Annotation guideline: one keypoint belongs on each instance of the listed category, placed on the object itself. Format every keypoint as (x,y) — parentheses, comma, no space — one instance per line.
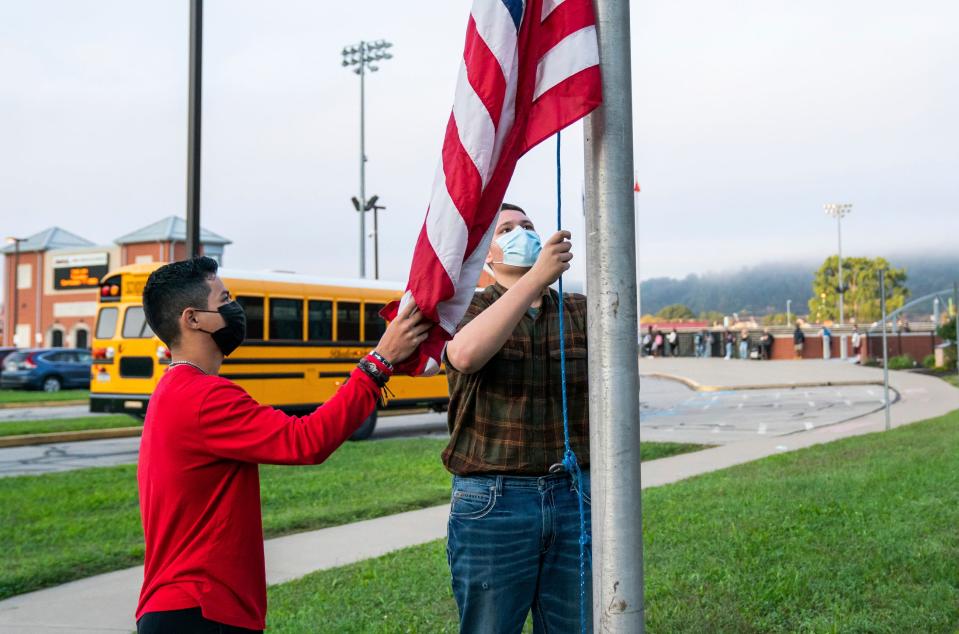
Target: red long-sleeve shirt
(199,483)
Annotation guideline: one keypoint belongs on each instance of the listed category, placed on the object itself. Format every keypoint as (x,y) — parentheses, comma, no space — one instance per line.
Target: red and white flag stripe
(529,69)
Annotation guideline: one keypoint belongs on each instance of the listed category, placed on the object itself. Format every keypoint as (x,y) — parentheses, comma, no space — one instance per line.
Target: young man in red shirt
(203,438)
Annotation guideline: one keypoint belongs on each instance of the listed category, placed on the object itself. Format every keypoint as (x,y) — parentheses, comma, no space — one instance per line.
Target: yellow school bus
(304,335)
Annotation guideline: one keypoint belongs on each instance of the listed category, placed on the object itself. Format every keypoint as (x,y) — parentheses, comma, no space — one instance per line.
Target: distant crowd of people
(658,343)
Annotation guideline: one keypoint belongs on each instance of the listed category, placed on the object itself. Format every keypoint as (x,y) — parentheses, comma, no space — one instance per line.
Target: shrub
(948,330)
(901,362)
(950,358)
(929,361)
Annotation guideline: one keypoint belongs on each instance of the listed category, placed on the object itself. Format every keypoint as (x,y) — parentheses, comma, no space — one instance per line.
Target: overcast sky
(749,116)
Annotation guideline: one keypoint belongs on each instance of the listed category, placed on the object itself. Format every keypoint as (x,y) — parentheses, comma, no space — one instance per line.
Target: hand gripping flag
(529,69)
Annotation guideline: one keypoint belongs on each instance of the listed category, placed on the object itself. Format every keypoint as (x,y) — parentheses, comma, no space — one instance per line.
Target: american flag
(530,68)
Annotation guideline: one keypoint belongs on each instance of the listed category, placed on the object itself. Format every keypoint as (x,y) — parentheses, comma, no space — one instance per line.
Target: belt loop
(499,485)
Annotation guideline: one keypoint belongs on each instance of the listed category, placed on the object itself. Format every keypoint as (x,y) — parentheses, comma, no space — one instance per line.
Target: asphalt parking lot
(670,411)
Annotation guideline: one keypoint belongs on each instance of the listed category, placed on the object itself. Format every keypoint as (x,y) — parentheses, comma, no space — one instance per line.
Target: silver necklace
(189,363)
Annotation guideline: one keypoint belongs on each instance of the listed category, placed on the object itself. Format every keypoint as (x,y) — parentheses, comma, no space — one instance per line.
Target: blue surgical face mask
(520,247)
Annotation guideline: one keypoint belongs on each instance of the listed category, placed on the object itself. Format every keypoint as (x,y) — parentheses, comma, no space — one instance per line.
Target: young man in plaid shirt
(513,536)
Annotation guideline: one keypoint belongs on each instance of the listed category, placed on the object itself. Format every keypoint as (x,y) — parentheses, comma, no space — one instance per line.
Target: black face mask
(228,338)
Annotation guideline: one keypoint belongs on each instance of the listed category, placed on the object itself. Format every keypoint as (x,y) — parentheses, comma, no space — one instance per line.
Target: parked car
(47,369)
(4,353)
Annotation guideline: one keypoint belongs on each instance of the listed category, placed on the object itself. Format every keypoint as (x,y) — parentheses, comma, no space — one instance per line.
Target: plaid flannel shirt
(507,418)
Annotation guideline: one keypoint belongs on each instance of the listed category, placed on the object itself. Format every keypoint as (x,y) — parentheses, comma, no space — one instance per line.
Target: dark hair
(511,207)
(173,288)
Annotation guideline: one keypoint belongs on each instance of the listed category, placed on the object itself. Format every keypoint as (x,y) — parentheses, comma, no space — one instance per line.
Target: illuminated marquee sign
(79,271)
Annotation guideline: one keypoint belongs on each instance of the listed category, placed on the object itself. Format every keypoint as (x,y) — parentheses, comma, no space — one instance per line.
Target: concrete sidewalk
(106,603)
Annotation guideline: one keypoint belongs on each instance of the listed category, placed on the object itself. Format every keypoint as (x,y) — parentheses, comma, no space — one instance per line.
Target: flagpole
(613,328)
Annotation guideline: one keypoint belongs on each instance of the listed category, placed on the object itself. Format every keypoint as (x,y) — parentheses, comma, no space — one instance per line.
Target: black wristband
(376,355)
(373,372)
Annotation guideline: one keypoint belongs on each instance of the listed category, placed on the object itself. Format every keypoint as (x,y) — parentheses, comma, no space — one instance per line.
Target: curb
(769,386)
(70,436)
(28,404)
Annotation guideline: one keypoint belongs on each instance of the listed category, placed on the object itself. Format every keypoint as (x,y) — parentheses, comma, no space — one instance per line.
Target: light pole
(194,107)
(885,346)
(955,304)
(837,211)
(789,312)
(363,56)
(371,205)
(16,285)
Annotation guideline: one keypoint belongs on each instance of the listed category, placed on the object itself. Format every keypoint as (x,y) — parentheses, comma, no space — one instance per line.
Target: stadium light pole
(364,57)
(16,286)
(837,211)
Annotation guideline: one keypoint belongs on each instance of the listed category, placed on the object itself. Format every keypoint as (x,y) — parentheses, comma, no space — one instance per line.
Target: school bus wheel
(366,429)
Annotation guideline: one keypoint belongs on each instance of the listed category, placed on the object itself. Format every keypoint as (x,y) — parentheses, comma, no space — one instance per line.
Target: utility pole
(193,139)
(363,56)
(617,547)
(837,211)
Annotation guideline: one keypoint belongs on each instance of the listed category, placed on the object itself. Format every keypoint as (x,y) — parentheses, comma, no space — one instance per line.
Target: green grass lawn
(859,535)
(59,527)
(952,378)
(654,450)
(51,425)
(37,396)
(404,591)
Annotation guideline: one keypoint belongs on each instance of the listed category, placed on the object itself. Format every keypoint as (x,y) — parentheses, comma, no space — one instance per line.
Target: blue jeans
(743,349)
(513,546)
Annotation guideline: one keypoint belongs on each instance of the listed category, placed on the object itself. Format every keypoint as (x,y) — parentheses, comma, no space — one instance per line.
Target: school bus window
(107,323)
(374,325)
(286,319)
(135,324)
(347,321)
(320,320)
(253,307)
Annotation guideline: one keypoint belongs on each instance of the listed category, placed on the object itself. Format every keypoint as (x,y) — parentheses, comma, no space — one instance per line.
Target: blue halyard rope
(569,457)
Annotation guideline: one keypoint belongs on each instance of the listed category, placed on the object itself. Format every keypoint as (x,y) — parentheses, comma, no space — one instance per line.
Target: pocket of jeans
(472,504)
(586,498)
